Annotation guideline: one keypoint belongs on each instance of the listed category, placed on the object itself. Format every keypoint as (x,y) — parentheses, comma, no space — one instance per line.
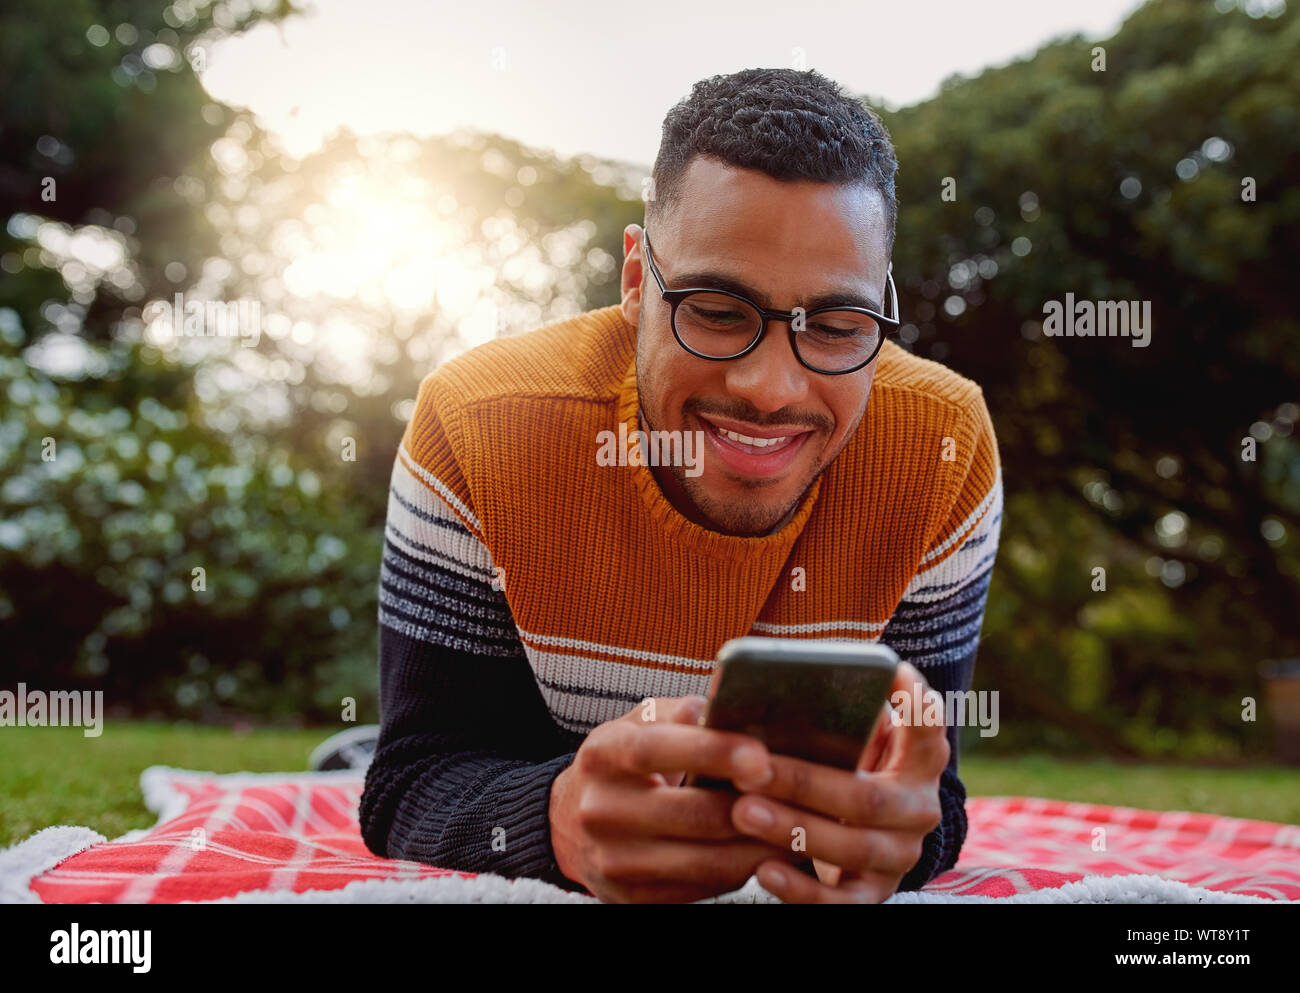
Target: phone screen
(817,701)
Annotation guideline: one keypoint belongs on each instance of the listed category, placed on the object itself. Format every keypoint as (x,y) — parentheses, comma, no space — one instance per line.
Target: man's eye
(833,331)
(715,316)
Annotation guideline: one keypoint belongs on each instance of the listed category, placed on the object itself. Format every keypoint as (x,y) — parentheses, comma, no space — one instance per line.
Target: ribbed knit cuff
(549,870)
(941,847)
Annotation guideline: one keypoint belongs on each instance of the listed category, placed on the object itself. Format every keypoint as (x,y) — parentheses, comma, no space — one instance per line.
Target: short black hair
(791,124)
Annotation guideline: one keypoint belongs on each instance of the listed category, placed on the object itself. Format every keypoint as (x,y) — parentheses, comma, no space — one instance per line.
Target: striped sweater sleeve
(936,626)
(467,752)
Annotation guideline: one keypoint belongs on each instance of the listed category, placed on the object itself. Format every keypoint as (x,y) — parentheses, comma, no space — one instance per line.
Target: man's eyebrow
(717,281)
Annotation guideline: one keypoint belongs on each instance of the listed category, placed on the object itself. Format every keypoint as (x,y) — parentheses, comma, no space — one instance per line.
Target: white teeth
(744,439)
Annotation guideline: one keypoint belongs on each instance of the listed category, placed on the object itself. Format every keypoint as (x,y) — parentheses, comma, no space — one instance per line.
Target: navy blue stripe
(431,626)
(973,542)
(914,610)
(595,693)
(390,531)
(944,634)
(469,625)
(407,587)
(934,646)
(424,515)
(986,560)
(434,639)
(951,633)
(906,621)
(453,583)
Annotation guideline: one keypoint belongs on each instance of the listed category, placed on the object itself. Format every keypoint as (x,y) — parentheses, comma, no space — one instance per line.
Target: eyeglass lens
(720,326)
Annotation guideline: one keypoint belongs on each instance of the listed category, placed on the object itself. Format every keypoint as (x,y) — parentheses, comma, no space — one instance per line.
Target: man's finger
(659,861)
(666,710)
(875,747)
(672,710)
(797,887)
(865,798)
(858,849)
(688,709)
(670,748)
(692,814)
(923,746)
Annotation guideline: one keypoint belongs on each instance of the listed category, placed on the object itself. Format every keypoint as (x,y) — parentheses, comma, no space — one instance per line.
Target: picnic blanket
(294,837)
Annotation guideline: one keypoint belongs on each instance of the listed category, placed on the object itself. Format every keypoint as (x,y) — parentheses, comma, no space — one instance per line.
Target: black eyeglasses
(721,325)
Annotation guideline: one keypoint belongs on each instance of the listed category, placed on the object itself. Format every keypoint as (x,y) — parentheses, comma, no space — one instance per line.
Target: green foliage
(1118,456)
(171,456)
(375,258)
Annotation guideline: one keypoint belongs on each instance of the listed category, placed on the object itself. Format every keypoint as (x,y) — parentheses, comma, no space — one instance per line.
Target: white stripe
(438,485)
(630,653)
(819,626)
(468,638)
(282,879)
(409,488)
(580,712)
(992,495)
(960,568)
(461,546)
(175,861)
(457,566)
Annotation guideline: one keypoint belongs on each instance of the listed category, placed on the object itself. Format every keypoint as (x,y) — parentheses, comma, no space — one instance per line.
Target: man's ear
(633,273)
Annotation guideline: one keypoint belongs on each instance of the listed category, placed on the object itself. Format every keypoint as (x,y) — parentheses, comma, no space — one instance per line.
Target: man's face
(788,242)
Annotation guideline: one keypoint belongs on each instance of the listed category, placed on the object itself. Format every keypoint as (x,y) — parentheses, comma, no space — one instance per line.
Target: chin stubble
(745,518)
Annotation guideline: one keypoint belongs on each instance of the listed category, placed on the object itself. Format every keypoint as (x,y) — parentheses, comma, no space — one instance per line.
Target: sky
(598,77)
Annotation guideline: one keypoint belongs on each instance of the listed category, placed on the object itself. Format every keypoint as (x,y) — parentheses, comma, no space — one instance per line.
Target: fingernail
(758,815)
(772,877)
(752,766)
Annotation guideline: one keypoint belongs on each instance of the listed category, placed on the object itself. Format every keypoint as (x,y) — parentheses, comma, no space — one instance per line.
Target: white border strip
(490,888)
(22,862)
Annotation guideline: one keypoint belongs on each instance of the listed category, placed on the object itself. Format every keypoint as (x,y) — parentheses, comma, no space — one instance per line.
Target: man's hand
(864,829)
(622,826)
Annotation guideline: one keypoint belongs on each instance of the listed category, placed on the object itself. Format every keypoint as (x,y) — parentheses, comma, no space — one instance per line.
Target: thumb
(685,709)
(667,710)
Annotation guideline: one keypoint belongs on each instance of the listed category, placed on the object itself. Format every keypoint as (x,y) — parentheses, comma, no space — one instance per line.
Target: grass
(58,776)
(1262,793)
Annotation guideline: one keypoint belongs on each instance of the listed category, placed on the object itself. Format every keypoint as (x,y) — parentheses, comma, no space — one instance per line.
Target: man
(538,585)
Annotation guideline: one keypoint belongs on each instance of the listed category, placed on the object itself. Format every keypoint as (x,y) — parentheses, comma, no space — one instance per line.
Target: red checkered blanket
(295,837)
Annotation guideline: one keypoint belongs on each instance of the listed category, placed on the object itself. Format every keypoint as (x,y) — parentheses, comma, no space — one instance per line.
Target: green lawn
(58,776)
(1263,793)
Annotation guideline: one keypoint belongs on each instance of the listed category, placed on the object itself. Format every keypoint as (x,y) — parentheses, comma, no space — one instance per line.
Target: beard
(748,515)
(743,517)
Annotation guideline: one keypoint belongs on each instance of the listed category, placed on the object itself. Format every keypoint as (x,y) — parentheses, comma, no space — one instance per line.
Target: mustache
(740,411)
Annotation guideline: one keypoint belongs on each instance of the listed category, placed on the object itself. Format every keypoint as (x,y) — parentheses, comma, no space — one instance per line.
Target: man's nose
(770,377)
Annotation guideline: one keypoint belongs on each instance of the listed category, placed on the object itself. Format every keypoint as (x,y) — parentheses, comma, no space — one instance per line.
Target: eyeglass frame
(674,297)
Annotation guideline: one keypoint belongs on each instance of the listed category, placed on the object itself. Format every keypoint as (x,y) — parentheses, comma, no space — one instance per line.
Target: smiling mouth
(754,452)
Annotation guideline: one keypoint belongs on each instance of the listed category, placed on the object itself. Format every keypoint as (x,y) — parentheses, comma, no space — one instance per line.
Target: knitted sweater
(528,594)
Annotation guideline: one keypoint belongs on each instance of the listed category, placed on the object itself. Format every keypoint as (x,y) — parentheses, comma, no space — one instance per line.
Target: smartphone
(814,700)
